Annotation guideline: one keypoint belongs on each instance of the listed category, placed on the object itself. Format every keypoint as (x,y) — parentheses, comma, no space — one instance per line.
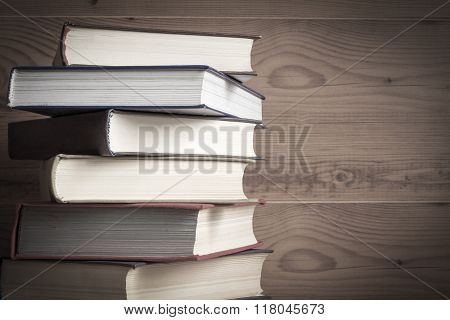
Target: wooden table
(359,206)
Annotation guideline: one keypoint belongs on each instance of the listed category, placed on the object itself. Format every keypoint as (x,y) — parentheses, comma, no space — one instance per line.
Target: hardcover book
(194,90)
(114,133)
(77,179)
(115,46)
(228,277)
(136,232)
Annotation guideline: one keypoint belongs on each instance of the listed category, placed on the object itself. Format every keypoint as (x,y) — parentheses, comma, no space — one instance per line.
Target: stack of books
(142,169)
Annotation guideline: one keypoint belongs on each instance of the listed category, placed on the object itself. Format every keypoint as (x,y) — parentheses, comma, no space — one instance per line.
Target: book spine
(10,83)
(62,44)
(47,180)
(84,134)
(14,232)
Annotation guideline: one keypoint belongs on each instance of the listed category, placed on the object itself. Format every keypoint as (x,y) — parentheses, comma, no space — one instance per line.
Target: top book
(104,46)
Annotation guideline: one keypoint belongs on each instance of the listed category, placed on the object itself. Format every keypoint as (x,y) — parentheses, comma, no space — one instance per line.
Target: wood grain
(378,132)
(343,9)
(324,251)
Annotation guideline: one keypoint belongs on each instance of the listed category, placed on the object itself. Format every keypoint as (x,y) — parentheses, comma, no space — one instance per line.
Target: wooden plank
(379,127)
(378,132)
(342,9)
(317,254)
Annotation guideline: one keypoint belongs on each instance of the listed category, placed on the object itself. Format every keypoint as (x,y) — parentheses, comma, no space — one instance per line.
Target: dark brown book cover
(190,206)
(42,139)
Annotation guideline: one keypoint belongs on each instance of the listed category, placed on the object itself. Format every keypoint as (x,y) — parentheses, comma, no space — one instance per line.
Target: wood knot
(295,77)
(343,177)
(306,260)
